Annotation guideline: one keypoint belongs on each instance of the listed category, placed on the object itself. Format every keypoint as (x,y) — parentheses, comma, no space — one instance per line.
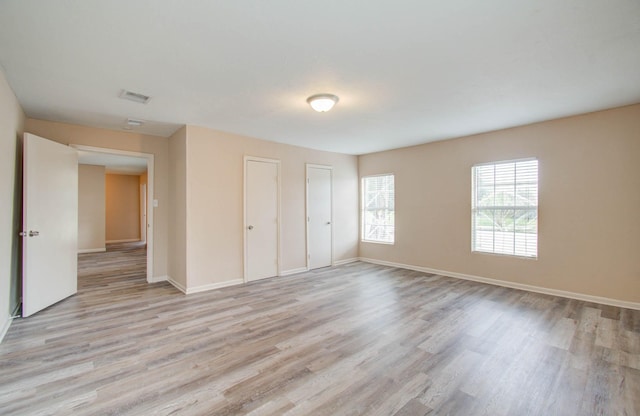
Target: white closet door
(261,219)
(319,223)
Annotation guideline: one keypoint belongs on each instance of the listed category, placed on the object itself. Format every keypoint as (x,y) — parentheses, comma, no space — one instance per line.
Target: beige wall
(177,207)
(214,195)
(589,204)
(589,200)
(123,207)
(11,126)
(91,208)
(111,139)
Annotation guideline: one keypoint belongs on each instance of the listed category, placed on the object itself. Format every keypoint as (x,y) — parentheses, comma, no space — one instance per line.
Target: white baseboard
(91,250)
(345,261)
(293,271)
(128,240)
(512,285)
(177,285)
(211,286)
(304,269)
(156,279)
(203,288)
(7,323)
(5,328)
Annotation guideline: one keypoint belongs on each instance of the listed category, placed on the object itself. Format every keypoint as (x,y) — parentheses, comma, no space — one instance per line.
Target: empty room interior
(320,208)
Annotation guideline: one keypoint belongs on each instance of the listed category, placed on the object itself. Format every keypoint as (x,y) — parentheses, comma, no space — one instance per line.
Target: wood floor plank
(348,340)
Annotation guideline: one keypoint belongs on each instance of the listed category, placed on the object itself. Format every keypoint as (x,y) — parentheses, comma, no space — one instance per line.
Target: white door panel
(50,222)
(319,222)
(261,222)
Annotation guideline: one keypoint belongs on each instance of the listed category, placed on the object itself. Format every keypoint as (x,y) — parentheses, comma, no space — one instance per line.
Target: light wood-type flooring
(350,340)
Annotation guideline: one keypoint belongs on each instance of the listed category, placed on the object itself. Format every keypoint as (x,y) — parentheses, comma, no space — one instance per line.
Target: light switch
(155,203)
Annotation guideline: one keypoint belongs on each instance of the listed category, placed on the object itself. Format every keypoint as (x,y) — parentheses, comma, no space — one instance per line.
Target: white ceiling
(406,72)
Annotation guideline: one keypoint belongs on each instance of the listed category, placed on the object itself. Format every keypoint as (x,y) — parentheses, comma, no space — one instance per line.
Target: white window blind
(378,209)
(505,208)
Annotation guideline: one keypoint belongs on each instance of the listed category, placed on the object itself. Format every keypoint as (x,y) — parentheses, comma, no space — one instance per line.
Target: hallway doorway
(119,163)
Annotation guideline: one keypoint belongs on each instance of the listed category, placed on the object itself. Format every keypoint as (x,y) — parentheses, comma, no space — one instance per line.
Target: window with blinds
(504,208)
(378,209)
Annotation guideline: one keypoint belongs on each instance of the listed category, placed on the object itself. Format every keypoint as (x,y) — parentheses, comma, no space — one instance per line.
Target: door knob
(250,227)
(34,233)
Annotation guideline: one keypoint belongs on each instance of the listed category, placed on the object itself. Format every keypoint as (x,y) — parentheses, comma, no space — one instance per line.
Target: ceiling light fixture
(322,102)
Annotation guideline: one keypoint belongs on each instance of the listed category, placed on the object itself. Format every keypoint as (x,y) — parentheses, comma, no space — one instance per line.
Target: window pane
(485,196)
(378,208)
(505,208)
(504,195)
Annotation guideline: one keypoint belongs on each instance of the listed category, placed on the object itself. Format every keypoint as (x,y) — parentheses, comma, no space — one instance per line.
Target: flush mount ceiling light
(322,102)
(134,96)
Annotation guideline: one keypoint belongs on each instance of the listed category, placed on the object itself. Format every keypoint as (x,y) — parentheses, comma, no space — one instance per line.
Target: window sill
(378,242)
(513,256)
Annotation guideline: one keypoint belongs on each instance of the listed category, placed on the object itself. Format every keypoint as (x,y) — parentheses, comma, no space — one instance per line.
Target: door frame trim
(144,227)
(248,159)
(150,194)
(306,205)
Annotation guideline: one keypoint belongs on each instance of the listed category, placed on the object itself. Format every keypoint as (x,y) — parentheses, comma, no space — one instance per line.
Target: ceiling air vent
(134,96)
(134,123)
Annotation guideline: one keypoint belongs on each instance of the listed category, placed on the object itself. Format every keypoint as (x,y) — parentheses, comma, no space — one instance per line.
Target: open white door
(319,228)
(50,223)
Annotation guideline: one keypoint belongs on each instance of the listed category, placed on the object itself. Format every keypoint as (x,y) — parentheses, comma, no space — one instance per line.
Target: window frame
(362,209)
(535,208)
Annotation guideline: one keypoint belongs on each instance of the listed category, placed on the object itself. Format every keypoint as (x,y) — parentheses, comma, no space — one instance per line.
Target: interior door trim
(248,159)
(306,204)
